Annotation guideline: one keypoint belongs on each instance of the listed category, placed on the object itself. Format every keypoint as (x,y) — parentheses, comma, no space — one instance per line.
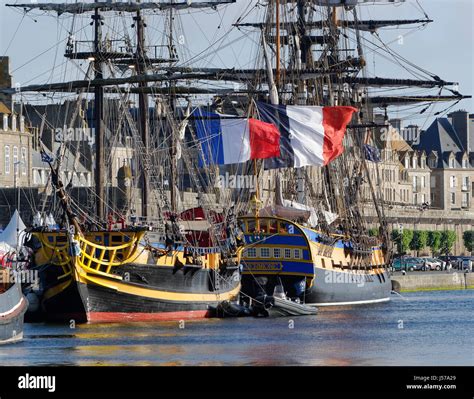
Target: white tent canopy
(14,233)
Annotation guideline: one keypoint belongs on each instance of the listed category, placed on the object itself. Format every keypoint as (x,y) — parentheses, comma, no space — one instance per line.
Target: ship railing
(100,259)
(57,254)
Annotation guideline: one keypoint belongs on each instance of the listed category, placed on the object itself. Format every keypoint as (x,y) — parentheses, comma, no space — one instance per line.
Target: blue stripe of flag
(209,133)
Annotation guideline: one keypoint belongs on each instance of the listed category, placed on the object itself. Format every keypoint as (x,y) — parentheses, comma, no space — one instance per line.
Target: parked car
(433,263)
(407,263)
(451,260)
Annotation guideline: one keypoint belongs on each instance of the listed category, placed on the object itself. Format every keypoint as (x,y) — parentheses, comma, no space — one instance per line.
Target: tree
(434,242)
(403,239)
(419,241)
(448,238)
(468,238)
(407,237)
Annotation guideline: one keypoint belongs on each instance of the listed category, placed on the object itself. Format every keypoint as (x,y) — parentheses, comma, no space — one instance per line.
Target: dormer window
(423,162)
(414,162)
(451,163)
(407,162)
(465,163)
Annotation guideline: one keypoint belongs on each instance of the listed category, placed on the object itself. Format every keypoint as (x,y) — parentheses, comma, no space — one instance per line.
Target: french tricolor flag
(291,136)
(228,140)
(309,135)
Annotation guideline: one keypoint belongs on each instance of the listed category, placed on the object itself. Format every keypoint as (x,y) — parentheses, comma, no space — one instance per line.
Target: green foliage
(419,240)
(434,241)
(407,237)
(448,238)
(402,240)
(468,238)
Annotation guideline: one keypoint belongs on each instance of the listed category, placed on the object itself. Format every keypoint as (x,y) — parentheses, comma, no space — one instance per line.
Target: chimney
(460,122)
(5,80)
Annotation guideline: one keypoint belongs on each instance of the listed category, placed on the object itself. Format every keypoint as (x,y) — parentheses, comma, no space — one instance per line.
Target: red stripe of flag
(335,121)
(264,140)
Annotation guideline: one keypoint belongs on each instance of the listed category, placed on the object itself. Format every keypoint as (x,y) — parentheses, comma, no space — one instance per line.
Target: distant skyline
(444,47)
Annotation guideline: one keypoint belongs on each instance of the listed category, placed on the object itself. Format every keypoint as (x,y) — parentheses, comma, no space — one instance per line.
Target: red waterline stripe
(113,317)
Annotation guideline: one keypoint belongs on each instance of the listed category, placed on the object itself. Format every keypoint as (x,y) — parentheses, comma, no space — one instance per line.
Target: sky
(444,47)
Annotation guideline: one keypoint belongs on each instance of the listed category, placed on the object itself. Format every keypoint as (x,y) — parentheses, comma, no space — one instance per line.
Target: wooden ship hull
(143,286)
(13,306)
(317,270)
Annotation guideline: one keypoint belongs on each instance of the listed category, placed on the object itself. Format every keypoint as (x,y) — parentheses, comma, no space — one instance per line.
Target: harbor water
(425,328)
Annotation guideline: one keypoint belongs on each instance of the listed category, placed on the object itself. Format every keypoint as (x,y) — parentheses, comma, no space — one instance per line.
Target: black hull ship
(87,288)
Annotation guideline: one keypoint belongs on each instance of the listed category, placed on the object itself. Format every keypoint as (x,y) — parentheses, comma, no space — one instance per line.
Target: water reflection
(437,329)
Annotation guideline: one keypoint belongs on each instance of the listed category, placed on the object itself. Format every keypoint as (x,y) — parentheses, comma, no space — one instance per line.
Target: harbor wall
(427,281)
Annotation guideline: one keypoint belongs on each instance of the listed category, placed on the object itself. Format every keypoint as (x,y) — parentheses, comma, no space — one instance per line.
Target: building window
(7,160)
(432,162)
(251,253)
(414,162)
(453,198)
(264,252)
(23,161)
(423,181)
(407,162)
(415,182)
(15,160)
(465,183)
(36,177)
(451,162)
(44,177)
(452,181)
(423,163)
(297,253)
(287,253)
(432,197)
(433,181)
(465,163)
(5,122)
(465,200)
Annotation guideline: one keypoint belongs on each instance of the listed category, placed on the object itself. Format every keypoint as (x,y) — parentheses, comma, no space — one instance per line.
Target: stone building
(15,149)
(448,146)
(418,173)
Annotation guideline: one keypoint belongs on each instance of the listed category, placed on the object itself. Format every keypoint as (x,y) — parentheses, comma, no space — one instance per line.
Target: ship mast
(142,107)
(99,173)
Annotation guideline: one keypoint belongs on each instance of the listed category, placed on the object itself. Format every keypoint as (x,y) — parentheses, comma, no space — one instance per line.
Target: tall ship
(281,150)
(100,263)
(315,240)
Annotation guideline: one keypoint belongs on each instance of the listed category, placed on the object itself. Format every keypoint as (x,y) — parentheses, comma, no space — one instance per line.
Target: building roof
(4,109)
(442,138)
